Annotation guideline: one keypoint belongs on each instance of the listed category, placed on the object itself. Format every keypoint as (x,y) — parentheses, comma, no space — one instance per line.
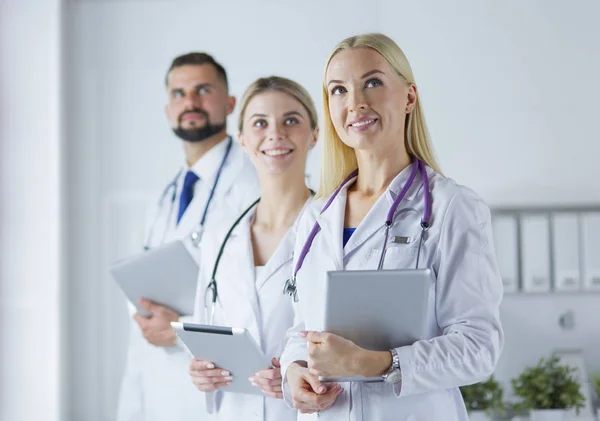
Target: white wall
(30,301)
(507,88)
(515,84)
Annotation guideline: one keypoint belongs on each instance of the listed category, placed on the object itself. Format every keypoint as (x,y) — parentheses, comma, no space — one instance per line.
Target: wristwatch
(394,374)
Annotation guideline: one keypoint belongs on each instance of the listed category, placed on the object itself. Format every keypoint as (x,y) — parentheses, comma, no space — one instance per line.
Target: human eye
(337,90)
(371,83)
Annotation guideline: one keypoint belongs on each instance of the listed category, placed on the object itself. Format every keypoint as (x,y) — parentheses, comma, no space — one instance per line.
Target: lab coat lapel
(190,220)
(282,255)
(373,222)
(284,252)
(239,296)
(375,219)
(332,224)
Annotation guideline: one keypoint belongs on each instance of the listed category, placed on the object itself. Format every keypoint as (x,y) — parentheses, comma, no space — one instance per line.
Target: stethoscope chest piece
(290,288)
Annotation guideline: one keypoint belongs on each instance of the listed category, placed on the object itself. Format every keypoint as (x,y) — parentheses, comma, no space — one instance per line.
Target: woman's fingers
(210,373)
(211,387)
(266,382)
(276,395)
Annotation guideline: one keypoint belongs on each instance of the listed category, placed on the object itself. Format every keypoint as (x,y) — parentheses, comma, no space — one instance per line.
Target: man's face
(198,102)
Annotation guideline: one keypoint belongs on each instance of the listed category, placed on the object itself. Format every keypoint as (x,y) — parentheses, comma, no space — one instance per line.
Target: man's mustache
(194,111)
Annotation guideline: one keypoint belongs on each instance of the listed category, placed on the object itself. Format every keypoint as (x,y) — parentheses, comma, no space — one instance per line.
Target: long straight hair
(338,159)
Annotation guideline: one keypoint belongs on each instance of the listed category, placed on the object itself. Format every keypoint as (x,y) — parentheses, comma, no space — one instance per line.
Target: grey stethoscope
(290,287)
(195,235)
(212,292)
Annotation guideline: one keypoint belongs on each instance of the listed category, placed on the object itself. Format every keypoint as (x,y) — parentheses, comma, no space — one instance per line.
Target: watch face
(394,377)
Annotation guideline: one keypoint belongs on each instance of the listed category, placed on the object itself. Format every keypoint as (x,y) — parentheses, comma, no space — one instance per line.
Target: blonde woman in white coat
(277,127)
(376,155)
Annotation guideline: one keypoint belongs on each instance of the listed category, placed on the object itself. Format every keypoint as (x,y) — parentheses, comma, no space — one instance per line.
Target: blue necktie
(187,194)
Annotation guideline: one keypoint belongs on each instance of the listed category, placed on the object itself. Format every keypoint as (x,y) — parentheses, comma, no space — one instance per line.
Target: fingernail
(228,378)
(321,389)
(225,373)
(210,365)
(251,379)
(303,334)
(253,384)
(340,390)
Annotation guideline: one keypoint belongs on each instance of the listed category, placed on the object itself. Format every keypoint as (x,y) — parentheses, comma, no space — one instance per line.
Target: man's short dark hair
(197,59)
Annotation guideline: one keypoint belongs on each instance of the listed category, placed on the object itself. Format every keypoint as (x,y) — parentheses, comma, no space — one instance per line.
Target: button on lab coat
(254,303)
(156,385)
(464,331)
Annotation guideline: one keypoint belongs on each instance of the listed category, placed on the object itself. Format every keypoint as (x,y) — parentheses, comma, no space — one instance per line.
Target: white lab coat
(254,303)
(156,384)
(465,334)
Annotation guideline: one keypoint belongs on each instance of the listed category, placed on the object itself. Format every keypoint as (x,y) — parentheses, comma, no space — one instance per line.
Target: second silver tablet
(228,348)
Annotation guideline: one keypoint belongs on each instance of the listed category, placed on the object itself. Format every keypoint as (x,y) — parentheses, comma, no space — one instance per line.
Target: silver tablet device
(231,349)
(378,309)
(166,275)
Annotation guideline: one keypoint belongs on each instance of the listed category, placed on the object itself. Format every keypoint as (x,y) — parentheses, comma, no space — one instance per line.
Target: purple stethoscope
(290,287)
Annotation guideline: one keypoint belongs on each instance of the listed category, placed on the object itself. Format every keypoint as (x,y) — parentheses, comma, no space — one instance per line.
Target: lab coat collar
(398,183)
(332,220)
(243,297)
(207,166)
(284,252)
(240,296)
(233,166)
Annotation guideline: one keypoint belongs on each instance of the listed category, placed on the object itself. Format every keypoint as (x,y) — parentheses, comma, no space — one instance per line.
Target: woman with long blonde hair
(384,204)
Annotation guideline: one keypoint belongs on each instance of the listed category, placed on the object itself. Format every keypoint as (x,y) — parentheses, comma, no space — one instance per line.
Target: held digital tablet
(166,275)
(378,309)
(231,349)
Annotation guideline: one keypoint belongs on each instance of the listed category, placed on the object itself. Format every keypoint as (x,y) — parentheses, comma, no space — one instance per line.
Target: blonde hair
(338,159)
(279,84)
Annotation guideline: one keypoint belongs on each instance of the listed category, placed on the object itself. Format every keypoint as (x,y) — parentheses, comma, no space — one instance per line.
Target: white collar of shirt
(207,166)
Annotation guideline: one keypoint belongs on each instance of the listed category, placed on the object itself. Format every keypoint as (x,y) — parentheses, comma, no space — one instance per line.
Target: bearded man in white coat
(215,180)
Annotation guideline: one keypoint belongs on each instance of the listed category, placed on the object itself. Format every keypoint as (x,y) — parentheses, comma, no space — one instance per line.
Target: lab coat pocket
(397,256)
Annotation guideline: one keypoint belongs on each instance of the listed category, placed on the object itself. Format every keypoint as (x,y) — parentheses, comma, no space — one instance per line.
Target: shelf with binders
(548,250)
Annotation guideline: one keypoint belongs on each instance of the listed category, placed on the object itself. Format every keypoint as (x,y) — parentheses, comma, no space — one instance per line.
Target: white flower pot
(548,415)
(479,416)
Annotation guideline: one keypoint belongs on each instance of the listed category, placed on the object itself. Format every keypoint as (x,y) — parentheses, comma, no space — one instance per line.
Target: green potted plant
(548,390)
(481,399)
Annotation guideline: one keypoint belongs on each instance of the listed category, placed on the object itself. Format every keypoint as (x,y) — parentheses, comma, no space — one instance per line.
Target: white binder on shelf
(506,245)
(566,252)
(535,252)
(590,234)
